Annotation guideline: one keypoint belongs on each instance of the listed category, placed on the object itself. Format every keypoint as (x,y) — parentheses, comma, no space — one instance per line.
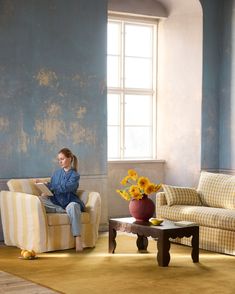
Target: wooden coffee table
(161,234)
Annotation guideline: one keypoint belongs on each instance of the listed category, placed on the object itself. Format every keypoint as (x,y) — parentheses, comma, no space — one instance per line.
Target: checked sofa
(211,206)
(27,225)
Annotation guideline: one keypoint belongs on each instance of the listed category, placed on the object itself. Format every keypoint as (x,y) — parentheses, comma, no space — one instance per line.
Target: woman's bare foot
(79,246)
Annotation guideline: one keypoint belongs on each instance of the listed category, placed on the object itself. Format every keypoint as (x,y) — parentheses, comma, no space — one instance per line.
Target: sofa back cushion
(217,190)
(181,196)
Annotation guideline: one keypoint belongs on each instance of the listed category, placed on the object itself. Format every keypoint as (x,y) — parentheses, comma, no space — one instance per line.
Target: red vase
(142,210)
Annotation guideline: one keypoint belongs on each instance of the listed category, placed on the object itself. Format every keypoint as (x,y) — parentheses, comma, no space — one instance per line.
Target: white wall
(180,92)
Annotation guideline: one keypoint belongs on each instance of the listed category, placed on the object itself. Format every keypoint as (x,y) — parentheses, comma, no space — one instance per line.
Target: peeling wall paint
(52,85)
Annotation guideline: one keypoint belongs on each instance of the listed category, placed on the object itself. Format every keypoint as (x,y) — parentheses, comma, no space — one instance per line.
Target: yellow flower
(138,196)
(134,191)
(124,194)
(143,182)
(133,174)
(157,187)
(124,181)
(149,189)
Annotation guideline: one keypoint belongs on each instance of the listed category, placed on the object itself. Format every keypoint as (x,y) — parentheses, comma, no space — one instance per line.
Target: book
(185,224)
(44,189)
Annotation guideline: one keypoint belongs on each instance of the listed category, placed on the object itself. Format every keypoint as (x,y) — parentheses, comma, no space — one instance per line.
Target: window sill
(137,161)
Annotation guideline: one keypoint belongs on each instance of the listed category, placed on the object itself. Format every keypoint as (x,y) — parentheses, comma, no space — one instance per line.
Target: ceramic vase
(143,209)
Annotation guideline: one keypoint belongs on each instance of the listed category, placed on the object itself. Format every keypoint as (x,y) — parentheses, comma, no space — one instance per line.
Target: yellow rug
(126,271)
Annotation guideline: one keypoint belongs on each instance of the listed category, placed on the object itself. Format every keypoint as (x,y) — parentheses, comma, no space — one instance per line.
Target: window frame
(122,90)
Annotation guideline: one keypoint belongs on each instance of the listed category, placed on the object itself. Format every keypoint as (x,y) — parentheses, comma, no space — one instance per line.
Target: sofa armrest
(24,220)
(93,206)
(160,199)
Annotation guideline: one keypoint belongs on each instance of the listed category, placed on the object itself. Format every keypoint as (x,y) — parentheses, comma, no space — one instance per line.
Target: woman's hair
(69,154)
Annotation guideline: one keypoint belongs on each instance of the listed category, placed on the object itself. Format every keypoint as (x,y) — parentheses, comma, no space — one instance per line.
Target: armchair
(27,225)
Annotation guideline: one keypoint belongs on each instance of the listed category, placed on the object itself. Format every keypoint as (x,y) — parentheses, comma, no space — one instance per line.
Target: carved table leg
(112,241)
(163,247)
(195,246)
(142,242)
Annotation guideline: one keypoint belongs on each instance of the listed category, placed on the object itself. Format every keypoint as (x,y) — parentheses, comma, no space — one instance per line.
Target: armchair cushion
(181,196)
(58,219)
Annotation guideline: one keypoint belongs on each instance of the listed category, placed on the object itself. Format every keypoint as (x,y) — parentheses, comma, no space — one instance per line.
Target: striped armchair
(27,225)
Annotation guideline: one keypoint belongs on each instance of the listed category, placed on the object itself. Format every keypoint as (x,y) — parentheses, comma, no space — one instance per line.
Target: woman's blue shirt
(64,186)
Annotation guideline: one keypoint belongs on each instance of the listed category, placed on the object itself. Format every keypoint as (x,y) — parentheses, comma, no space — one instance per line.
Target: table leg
(142,242)
(163,247)
(112,241)
(195,246)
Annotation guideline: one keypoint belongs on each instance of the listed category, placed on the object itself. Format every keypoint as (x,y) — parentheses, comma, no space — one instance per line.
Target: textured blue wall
(52,85)
(218,105)
(227,89)
(210,91)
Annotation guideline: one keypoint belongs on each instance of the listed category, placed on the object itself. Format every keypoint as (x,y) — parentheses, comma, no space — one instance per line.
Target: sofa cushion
(58,219)
(217,190)
(220,218)
(181,196)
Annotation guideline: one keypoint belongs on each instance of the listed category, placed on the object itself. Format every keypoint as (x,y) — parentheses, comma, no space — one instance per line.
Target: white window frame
(122,90)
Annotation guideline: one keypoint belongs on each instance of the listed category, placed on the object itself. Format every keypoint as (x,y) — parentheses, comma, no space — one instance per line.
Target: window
(131,89)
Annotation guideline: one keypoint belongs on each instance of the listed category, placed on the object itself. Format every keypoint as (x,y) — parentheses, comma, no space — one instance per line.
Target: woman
(64,184)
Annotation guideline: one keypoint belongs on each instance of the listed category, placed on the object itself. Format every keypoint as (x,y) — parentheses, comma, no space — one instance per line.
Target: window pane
(138,110)
(113,142)
(138,40)
(138,143)
(138,73)
(113,70)
(113,109)
(114,32)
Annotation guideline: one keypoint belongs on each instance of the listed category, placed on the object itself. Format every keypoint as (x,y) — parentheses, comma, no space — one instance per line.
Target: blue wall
(52,85)
(227,89)
(218,104)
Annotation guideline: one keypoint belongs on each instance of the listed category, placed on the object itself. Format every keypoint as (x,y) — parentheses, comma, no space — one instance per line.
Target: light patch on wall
(4,124)
(23,141)
(79,134)
(50,129)
(81,112)
(80,80)
(46,77)
(54,110)
(103,86)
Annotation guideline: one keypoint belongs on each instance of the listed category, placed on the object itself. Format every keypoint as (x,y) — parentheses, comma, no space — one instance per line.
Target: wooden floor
(15,285)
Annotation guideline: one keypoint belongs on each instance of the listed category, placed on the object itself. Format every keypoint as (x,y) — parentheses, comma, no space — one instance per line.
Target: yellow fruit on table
(27,254)
(156,221)
(22,252)
(33,253)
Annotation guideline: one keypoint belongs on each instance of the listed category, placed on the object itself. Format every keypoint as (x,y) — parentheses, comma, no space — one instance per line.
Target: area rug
(127,271)
(11,284)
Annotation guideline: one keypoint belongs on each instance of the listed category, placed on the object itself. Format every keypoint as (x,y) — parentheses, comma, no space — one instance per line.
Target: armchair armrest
(93,206)
(24,221)
(160,199)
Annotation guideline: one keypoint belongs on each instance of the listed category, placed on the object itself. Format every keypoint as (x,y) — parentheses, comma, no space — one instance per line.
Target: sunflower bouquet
(136,187)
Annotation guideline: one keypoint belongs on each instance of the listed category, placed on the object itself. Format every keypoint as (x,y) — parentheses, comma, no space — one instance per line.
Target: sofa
(27,225)
(211,205)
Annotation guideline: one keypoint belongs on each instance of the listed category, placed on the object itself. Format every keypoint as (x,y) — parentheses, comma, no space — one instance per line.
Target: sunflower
(143,182)
(157,187)
(124,194)
(134,191)
(149,189)
(124,181)
(133,174)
